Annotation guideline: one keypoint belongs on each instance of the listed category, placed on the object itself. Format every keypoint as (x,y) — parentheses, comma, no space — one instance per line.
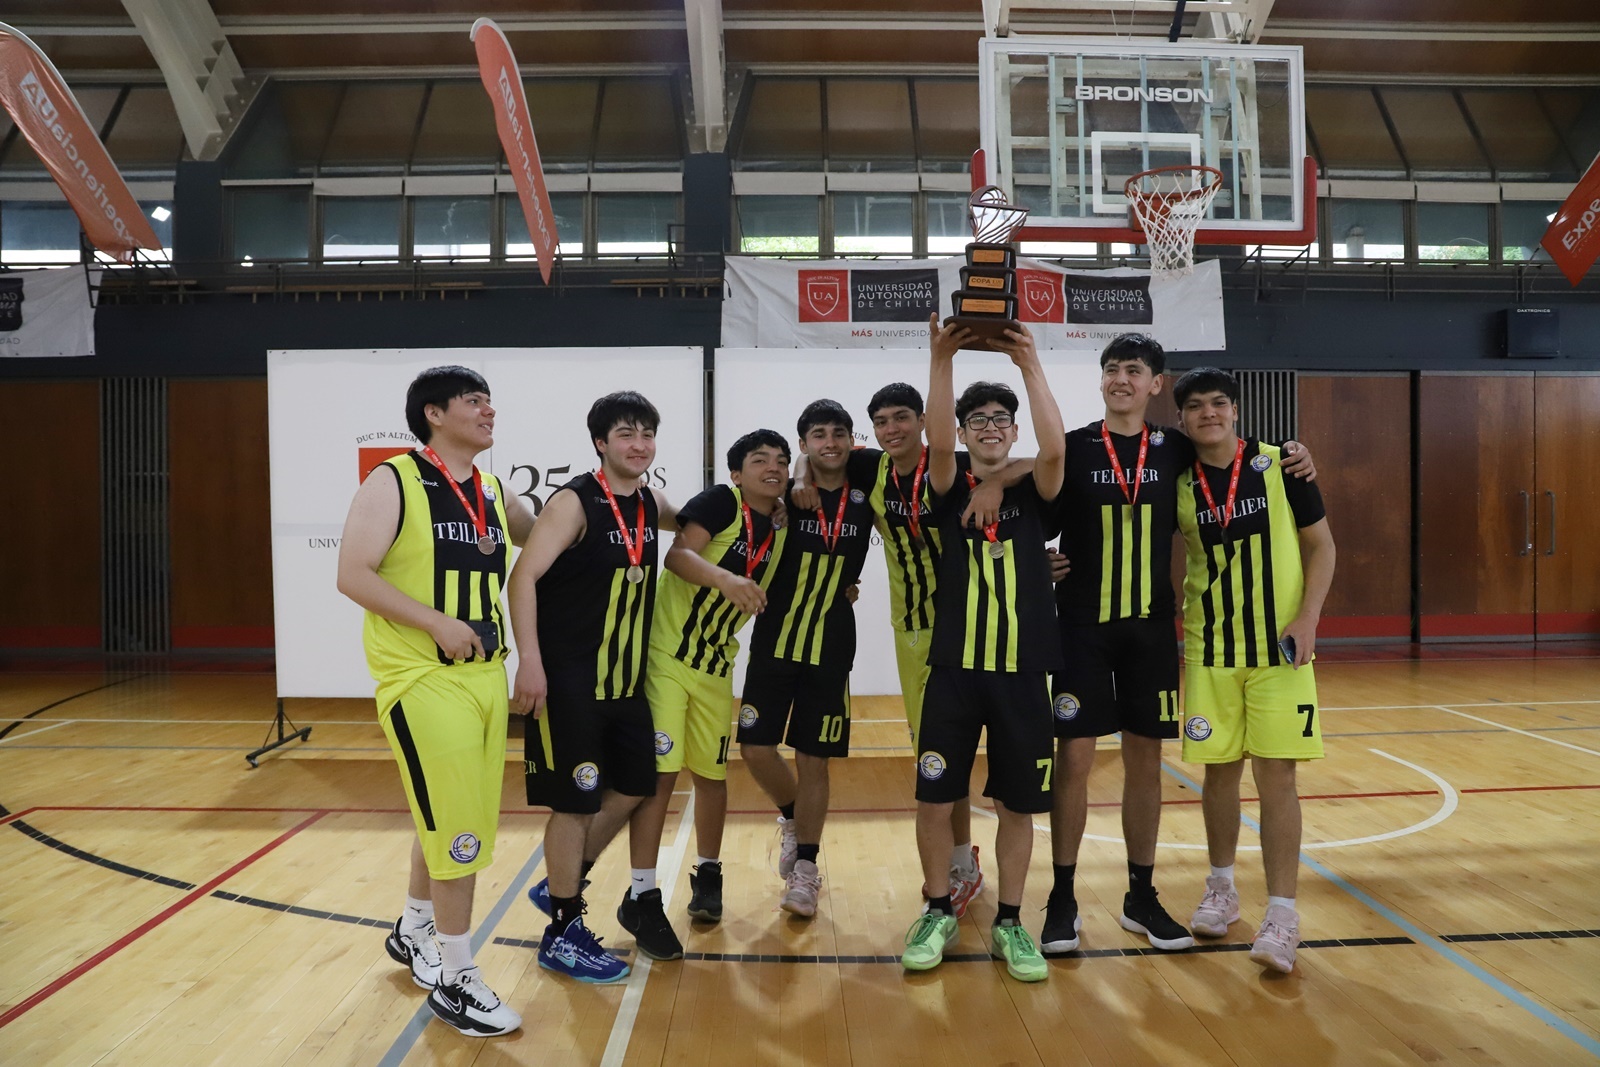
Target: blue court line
(408,1037)
(1422,937)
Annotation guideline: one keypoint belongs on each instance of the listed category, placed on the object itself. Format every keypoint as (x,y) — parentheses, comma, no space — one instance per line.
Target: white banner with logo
(334,415)
(842,303)
(756,388)
(47,313)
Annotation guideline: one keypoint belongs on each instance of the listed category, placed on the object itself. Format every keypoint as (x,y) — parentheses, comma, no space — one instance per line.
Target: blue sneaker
(540,895)
(577,953)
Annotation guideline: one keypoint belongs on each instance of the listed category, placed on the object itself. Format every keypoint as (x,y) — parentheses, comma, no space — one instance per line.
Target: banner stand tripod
(267,745)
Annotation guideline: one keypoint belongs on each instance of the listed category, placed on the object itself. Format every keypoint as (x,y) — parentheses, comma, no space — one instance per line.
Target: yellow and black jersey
(594,624)
(435,559)
(696,625)
(995,613)
(1244,581)
(809,619)
(1121,552)
(912,557)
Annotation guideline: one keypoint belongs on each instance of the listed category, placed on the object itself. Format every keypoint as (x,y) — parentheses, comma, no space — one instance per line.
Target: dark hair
(1139,346)
(438,386)
(621,409)
(894,395)
(1206,380)
(753,440)
(823,413)
(980,393)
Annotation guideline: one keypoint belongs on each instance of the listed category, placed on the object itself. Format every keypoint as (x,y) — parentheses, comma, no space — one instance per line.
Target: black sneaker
(1149,918)
(645,919)
(705,896)
(1061,925)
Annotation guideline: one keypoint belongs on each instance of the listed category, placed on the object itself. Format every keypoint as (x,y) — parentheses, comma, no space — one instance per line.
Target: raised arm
(1317,557)
(559,527)
(1050,465)
(941,411)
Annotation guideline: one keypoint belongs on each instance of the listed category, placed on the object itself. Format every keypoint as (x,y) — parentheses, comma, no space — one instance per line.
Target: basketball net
(1168,203)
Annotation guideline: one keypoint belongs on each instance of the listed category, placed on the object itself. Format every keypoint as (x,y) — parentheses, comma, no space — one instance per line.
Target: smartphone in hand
(1286,646)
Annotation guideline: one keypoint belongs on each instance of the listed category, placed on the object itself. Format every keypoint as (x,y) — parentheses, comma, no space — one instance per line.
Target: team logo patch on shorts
(1197,728)
(1067,707)
(748,716)
(663,743)
(930,765)
(1261,463)
(586,776)
(857,497)
(464,849)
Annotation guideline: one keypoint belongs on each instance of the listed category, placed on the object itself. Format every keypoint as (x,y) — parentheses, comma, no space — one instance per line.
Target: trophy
(986,303)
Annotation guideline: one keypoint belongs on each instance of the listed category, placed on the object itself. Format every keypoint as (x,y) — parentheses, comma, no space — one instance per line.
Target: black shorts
(814,702)
(582,746)
(1119,675)
(1015,707)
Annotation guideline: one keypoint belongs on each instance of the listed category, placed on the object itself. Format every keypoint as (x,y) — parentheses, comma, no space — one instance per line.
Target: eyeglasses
(1000,421)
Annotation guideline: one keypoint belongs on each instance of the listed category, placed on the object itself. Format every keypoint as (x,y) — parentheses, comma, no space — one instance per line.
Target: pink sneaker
(964,890)
(801,889)
(788,846)
(1275,941)
(1218,908)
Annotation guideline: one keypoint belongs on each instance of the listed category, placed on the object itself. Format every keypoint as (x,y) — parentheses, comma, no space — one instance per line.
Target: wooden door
(1567,505)
(1476,507)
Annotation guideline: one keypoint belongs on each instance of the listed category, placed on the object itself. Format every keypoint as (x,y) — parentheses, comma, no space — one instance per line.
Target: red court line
(149,924)
(14,816)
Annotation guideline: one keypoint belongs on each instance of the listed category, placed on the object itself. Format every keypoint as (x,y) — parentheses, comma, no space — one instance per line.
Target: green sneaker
(1012,944)
(929,936)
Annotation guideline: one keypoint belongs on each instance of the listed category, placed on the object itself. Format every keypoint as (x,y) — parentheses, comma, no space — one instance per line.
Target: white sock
(644,880)
(456,949)
(1281,902)
(703,860)
(961,859)
(418,914)
(1223,872)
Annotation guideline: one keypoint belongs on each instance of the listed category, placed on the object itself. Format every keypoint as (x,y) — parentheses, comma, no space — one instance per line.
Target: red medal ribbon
(914,505)
(830,534)
(1226,513)
(634,544)
(991,531)
(753,557)
(480,519)
(1116,464)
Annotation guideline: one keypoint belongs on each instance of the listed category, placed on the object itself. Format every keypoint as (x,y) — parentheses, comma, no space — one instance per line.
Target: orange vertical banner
(1573,239)
(44,109)
(498,69)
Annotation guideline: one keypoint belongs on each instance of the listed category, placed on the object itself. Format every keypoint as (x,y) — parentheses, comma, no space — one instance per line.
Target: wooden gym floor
(162,903)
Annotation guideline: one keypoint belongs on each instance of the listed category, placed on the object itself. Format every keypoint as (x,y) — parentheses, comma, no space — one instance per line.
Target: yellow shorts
(1231,712)
(693,716)
(448,733)
(911,657)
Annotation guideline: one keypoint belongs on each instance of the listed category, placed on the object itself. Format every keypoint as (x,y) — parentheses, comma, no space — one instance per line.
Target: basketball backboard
(1065,121)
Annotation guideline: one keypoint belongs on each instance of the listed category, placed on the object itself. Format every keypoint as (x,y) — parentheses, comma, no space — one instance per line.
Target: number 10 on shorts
(832,728)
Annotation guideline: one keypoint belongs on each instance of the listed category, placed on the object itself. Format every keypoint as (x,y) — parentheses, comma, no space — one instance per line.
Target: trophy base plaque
(984,329)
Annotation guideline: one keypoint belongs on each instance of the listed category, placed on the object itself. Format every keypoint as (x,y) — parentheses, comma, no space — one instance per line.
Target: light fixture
(161,213)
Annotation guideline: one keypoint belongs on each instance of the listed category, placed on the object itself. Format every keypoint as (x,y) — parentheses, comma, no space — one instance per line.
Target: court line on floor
(407,1038)
(56,985)
(1422,937)
(1515,730)
(633,994)
(67,699)
(33,733)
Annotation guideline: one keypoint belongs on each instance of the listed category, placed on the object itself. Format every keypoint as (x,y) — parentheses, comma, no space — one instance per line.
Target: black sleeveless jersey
(594,624)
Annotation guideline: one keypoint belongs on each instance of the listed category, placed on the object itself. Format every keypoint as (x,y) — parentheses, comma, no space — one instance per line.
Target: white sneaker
(1218,909)
(801,889)
(470,1006)
(418,951)
(788,846)
(1276,940)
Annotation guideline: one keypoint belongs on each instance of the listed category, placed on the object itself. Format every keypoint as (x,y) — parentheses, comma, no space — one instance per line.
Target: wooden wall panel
(220,514)
(1567,552)
(1476,462)
(50,596)
(1359,433)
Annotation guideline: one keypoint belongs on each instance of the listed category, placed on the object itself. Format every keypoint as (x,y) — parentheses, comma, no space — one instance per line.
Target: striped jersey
(809,619)
(1121,552)
(696,625)
(1244,582)
(995,614)
(912,560)
(435,559)
(594,624)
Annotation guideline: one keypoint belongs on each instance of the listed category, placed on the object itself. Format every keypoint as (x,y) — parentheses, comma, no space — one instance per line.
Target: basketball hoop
(1167,204)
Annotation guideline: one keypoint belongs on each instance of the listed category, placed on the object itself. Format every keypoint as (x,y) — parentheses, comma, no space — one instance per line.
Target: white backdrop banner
(321,451)
(839,303)
(47,313)
(762,388)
